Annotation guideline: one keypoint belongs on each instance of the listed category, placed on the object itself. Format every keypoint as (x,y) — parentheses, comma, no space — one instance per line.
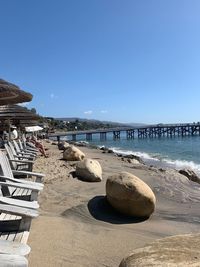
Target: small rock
(131,156)
(133,161)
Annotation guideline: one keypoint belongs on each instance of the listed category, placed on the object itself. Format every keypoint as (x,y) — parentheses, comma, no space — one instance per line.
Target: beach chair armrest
(21,161)
(31,153)
(19,211)
(29,173)
(31,148)
(19,202)
(21,157)
(26,182)
(21,185)
(25,153)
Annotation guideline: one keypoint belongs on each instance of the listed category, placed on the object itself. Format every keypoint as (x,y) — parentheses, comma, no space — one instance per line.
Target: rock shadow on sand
(74,175)
(101,210)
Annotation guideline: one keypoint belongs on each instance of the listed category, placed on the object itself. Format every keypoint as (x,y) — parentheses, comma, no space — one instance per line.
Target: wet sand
(77,227)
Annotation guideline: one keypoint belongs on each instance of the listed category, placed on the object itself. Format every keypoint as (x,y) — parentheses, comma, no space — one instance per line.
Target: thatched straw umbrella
(12,94)
(15,114)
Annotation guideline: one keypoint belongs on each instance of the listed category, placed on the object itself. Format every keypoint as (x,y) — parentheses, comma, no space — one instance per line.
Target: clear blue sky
(127,60)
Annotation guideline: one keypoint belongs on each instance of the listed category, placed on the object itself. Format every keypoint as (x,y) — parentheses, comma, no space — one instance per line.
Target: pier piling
(150,131)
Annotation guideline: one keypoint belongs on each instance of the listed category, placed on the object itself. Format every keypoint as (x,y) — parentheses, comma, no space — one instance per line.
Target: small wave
(159,161)
(180,164)
(142,155)
(82,142)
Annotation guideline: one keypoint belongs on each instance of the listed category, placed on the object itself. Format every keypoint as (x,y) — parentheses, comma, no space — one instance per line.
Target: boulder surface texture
(72,153)
(175,251)
(130,195)
(89,170)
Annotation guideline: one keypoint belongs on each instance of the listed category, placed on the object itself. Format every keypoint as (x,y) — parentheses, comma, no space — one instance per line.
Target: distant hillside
(117,124)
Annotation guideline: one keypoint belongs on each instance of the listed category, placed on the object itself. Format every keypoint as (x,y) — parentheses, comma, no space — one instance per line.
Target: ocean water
(176,152)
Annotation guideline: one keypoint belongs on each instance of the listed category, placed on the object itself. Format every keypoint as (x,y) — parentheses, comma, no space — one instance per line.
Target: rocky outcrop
(134,157)
(132,161)
(106,150)
(89,170)
(191,175)
(175,251)
(72,153)
(62,145)
(130,195)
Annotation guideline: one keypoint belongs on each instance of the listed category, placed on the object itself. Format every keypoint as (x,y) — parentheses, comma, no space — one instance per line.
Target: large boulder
(62,145)
(130,195)
(72,153)
(175,251)
(89,170)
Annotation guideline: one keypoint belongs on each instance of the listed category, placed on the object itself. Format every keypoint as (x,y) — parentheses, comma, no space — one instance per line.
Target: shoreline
(75,228)
(150,158)
(150,162)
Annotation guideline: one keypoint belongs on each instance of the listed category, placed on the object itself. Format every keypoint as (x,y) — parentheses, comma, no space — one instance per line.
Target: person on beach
(14,133)
(38,144)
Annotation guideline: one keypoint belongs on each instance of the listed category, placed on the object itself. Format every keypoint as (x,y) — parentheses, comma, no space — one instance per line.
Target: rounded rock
(175,251)
(130,195)
(72,153)
(89,170)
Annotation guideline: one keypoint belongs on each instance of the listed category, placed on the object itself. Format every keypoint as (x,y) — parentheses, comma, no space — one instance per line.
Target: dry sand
(77,228)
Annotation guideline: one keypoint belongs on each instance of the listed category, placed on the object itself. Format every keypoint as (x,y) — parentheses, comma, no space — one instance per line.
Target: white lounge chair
(20,155)
(18,163)
(27,145)
(13,260)
(8,172)
(23,151)
(14,231)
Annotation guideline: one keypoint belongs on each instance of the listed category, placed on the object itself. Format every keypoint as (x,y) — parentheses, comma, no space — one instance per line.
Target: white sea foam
(181,164)
(159,161)
(143,155)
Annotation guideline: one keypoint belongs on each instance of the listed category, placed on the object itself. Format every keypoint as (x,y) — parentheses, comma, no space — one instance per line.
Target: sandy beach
(76,226)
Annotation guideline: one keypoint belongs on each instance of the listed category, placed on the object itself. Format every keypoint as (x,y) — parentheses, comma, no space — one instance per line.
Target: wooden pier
(149,131)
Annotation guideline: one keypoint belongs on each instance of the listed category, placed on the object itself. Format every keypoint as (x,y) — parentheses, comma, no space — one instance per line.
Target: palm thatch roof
(16,112)
(12,94)
(25,122)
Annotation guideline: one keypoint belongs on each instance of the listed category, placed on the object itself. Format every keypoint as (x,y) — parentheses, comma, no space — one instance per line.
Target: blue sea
(175,152)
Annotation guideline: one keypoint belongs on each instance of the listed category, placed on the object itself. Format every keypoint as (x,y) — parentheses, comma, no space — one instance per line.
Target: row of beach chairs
(19,189)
